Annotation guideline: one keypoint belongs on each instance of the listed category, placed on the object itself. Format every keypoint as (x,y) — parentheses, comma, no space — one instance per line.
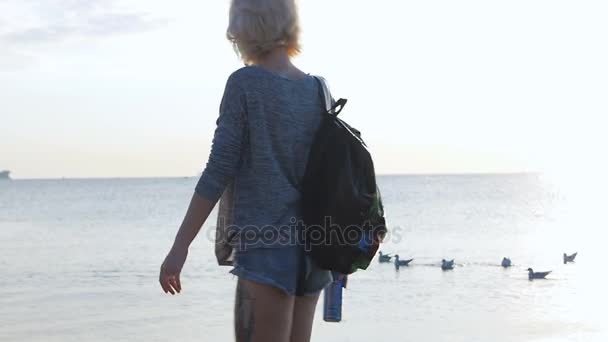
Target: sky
(125,88)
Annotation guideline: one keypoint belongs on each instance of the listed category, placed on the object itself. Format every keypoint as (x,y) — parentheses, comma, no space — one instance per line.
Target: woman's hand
(171,268)
(197,213)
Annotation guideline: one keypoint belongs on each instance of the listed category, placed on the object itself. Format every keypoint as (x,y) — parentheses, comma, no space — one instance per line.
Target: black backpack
(342,207)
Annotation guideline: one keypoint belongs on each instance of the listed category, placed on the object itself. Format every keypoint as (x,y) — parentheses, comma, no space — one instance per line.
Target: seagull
(506,262)
(569,258)
(536,275)
(384,257)
(447,265)
(399,263)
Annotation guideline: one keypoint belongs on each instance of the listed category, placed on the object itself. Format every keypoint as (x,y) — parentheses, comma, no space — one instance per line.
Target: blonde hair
(258,26)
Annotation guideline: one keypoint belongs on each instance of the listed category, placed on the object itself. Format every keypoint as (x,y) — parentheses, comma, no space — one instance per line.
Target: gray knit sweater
(260,149)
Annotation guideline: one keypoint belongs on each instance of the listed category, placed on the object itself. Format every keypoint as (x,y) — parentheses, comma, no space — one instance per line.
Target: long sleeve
(227,147)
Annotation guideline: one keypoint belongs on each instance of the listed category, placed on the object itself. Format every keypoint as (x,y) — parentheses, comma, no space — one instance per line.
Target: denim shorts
(287,268)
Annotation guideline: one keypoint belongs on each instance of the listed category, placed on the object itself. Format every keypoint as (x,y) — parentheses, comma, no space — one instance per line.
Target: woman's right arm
(198,211)
(196,215)
(221,168)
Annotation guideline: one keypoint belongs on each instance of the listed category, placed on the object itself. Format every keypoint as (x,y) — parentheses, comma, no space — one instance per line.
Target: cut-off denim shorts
(287,268)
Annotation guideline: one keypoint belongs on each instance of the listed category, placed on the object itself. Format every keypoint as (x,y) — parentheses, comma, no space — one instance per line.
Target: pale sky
(125,88)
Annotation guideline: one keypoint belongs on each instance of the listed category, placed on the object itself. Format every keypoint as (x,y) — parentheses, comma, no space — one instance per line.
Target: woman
(269,113)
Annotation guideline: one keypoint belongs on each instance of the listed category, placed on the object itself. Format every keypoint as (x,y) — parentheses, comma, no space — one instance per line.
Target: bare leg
(262,313)
(303,316)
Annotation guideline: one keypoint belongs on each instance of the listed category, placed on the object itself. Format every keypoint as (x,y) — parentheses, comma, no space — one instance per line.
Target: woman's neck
(278,61)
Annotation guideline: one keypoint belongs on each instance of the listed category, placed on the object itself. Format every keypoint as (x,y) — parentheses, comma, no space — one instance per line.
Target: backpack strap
(331,107)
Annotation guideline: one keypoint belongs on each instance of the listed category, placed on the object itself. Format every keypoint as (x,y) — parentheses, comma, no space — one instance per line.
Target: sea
(79,261)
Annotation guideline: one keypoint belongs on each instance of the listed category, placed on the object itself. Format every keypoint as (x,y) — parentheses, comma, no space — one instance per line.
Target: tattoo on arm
(244,322)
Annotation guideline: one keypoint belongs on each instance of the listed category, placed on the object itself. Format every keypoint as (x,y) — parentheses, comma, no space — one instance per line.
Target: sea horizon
(405,174)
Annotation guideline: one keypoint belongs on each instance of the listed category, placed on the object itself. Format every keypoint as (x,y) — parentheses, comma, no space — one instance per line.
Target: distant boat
(506,262)
(537,275)
(5,175)
(569,258)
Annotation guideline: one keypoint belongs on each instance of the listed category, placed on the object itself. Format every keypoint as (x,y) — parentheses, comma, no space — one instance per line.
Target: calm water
(79,261)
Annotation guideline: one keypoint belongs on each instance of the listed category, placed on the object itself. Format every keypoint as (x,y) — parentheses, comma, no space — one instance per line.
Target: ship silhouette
(5,174)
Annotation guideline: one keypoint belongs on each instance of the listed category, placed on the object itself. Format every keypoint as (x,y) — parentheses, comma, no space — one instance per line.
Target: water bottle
(332,303)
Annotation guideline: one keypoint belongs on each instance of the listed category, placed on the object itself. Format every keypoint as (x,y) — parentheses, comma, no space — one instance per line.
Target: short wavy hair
(258,26)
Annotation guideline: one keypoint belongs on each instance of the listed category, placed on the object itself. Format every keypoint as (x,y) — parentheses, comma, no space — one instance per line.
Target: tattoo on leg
(243,314)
